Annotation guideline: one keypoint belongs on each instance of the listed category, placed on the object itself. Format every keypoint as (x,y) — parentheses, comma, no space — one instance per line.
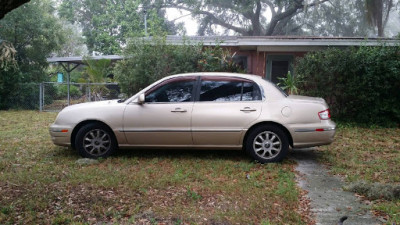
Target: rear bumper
(314,135)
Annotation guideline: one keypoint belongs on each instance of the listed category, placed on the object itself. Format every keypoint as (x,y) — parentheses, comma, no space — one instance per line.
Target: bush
(148,61)
(62,91)
(15,93)
(361,85)
(25,96)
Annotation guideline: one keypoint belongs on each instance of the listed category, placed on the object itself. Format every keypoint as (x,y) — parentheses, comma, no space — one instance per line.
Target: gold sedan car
(199,111)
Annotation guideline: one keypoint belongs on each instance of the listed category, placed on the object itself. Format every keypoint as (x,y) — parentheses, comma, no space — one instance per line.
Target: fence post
(90,94)
(41,97)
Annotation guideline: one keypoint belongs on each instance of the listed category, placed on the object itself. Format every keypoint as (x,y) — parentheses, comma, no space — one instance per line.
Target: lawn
(369,159)
(42,183)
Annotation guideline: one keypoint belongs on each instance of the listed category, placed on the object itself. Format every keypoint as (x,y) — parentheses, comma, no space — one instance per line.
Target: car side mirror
(142,98)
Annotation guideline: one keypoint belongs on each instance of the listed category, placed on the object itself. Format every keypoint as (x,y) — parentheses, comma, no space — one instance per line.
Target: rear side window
(226,89)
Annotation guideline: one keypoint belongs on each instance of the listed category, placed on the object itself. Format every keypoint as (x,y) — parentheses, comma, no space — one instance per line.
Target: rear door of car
(164,119)
(224,108)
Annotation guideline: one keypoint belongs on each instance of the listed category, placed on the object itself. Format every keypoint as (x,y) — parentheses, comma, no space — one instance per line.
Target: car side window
(174,91)
(229,90)
(251,92)
(220,91)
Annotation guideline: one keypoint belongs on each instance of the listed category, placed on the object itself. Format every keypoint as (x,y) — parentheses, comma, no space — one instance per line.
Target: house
(273,56)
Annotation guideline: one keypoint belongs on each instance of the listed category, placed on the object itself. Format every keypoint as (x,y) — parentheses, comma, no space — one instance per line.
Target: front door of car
(164,118)
(223,110)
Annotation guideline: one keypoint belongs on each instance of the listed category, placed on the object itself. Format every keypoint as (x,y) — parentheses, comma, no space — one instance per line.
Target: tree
(74,44)
(9,5)
(333,18)
(7,55)
(248,18)
(97,70)
(35,33)
(377,13)
(108,24)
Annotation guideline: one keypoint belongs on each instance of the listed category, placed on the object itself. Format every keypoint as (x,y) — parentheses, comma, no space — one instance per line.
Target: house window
(278,66)
(241,61)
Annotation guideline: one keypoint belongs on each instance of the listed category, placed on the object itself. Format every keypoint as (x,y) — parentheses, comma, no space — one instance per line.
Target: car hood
(91,105)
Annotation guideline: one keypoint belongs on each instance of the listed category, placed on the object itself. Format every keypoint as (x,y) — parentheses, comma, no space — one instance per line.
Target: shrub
(148,61)
(361,85)
(25,96)
(62,91)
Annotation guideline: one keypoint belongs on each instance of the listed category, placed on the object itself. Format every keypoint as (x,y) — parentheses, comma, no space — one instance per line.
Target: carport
(71,63)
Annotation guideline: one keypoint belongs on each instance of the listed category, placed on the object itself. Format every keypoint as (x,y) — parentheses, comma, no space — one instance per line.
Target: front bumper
(60,135)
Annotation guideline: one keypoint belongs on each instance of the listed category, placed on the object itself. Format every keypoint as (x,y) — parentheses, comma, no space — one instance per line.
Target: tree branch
(290,12)
(213,18)
(255,20)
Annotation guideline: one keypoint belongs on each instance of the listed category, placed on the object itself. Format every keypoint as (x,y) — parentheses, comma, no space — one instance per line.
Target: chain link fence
(54,96)
(22,96)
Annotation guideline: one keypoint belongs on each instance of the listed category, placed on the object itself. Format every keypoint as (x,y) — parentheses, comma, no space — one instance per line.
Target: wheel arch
(260,124)
(85,122)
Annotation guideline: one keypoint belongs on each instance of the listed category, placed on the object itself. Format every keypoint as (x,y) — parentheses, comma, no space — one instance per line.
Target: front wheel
(267,144)
(95,140)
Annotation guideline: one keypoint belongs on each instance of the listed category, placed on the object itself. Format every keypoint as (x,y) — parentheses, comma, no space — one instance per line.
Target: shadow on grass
(148,154)
(194,154)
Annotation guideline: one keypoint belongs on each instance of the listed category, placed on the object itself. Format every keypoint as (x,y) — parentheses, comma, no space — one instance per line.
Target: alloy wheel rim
(96,142)
(267,145)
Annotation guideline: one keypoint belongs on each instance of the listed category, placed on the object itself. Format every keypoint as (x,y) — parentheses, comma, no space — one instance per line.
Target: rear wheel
(267,144)
(95,140)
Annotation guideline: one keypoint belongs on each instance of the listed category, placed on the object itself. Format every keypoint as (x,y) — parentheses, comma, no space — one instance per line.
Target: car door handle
(179,110)
(248,109)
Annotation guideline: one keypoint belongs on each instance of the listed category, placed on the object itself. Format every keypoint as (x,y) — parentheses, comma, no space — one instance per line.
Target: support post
(69,69)
(145,22)
(69,85)
(90,94)
(41,97)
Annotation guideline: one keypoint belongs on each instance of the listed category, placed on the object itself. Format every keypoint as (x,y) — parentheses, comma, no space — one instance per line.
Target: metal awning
(79,59)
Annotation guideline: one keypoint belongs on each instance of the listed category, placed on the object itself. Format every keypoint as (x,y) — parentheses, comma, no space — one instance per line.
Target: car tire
(95,140)
(267,144)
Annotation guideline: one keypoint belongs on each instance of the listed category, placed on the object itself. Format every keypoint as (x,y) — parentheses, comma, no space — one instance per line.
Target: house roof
(282,40)
(282,43)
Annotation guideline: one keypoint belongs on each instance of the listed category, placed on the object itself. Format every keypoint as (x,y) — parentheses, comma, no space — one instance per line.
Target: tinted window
(251,92)
(178,91)
(229,91)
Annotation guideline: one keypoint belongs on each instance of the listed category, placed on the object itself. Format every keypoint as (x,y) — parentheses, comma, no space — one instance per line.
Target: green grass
(41,183)
(371,155)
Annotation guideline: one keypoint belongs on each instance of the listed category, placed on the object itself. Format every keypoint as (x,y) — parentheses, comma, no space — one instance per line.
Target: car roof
(241,75)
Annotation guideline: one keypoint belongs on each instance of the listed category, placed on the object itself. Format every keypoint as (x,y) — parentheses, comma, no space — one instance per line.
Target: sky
(184,16)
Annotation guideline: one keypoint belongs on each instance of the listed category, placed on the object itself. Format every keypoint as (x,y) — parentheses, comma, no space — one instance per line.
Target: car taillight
(324,115)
